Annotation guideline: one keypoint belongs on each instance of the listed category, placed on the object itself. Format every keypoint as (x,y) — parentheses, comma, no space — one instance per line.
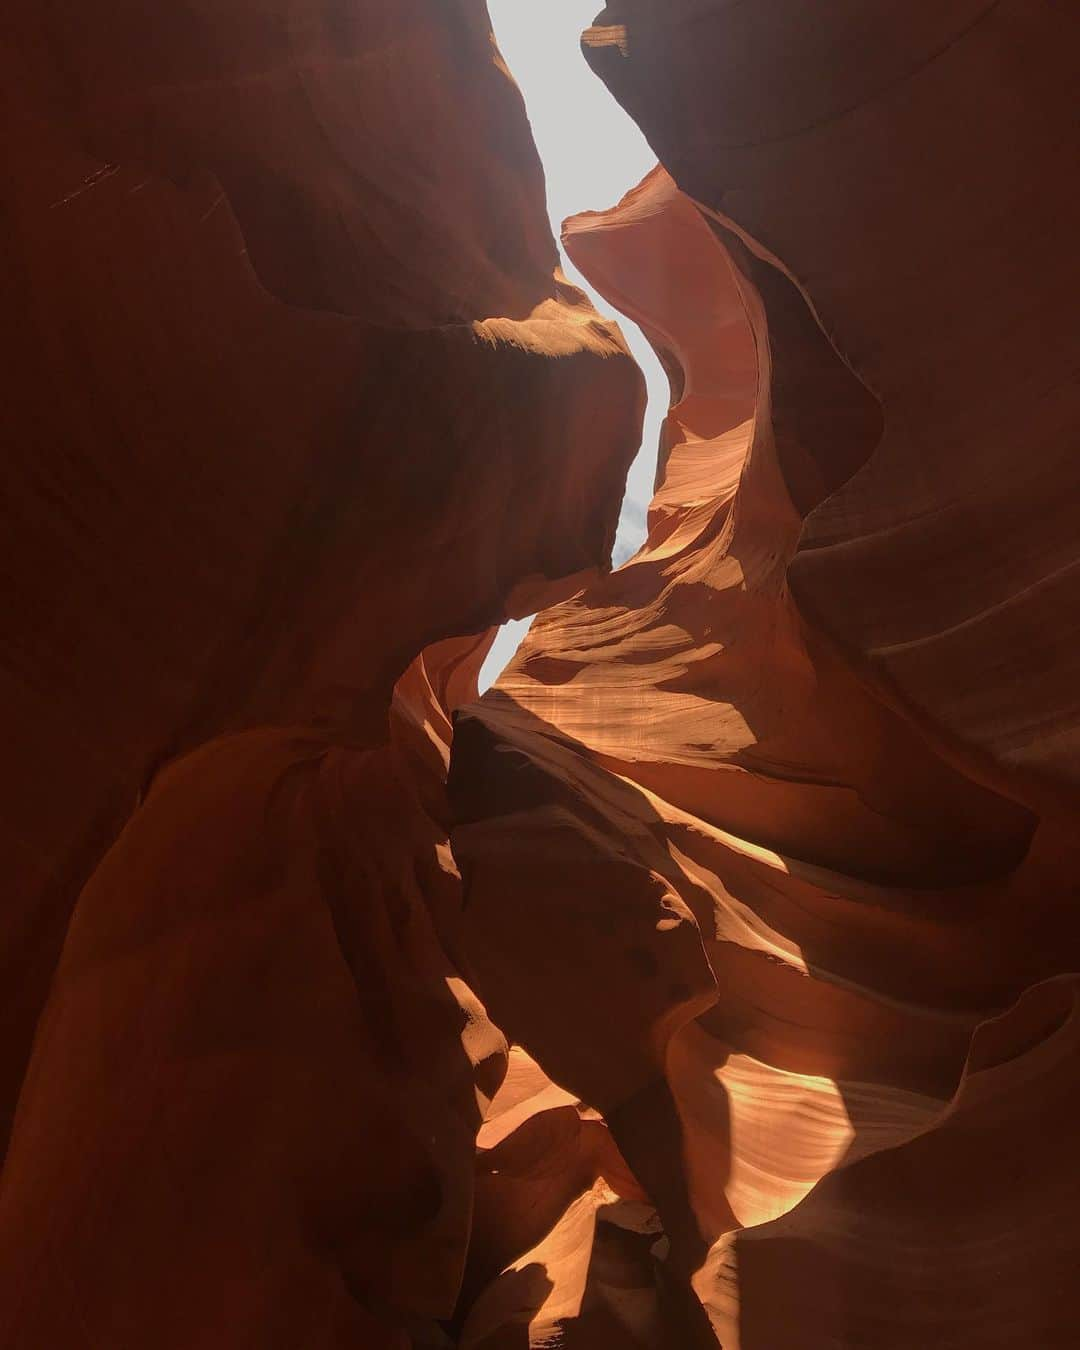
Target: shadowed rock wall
(292,395)
(786,806)
(712,979)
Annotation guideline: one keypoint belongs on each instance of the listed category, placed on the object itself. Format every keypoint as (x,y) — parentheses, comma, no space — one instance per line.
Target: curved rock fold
(711,980)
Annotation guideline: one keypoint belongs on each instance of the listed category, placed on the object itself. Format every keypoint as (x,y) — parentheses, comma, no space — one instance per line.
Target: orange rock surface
(909,168)
(712,980)
(294,392)
(769,837)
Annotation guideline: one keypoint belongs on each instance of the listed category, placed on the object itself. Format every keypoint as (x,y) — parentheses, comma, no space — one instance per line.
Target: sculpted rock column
(723,879)
(296,393)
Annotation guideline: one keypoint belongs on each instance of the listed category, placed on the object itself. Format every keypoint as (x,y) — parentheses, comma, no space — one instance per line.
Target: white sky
(592,154)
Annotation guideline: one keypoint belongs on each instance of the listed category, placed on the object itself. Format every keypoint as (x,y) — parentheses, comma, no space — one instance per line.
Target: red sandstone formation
(785,804)
(293,394)
(910,168)
(725,994)
(251,1111)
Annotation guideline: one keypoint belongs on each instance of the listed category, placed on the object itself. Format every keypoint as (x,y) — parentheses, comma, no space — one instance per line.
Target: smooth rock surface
(294,392)
(712,981)
(782,908)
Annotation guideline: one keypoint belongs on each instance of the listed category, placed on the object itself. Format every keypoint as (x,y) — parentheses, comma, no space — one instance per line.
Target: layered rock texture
(770,836)
(294,395)
(712,979)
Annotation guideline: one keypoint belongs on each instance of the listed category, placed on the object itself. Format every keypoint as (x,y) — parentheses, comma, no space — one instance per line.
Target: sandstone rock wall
(293,393)
(786,805)
(712,980)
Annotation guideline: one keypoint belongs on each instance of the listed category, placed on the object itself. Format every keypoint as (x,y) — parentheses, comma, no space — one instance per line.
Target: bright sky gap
(592,154)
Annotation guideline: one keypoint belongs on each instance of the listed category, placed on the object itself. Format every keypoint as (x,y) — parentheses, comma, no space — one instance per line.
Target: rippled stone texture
(769,837)
(293,394)
(910,168)
(711,980)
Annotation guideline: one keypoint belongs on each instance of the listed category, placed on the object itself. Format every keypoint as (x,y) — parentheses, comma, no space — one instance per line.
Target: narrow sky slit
(592,154)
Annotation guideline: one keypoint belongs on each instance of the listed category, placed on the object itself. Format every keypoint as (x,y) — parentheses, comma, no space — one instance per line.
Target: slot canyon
(713,978)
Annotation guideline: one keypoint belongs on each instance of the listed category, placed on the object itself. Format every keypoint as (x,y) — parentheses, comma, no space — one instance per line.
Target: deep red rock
(910,169)
(780,901)
(294,393)
(712,980)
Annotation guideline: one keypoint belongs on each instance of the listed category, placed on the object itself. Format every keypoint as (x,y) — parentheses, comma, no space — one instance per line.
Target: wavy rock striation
(296,394)
(769,836)
(712,980)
